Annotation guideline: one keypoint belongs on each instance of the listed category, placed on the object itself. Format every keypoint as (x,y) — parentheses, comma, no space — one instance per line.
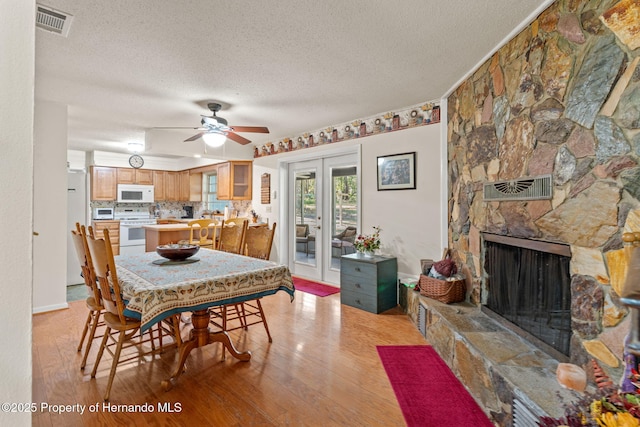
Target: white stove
(132,234)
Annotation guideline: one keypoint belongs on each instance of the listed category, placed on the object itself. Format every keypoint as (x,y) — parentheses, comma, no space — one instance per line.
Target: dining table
(156,288)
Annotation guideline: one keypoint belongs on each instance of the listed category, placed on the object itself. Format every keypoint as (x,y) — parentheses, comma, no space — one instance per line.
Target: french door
(323,201)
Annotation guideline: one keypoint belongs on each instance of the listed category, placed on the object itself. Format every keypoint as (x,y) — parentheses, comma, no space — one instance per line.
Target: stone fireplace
(562,98)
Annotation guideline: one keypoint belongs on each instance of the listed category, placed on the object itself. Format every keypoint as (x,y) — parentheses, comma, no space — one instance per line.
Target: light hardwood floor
(322,369)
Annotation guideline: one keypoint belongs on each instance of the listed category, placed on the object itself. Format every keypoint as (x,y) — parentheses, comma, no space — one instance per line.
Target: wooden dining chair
(127,329)
(229,317)
(232,236)
(93,301)
(201,233)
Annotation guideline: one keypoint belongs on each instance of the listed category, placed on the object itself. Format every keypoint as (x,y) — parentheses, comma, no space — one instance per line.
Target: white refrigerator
(76,212)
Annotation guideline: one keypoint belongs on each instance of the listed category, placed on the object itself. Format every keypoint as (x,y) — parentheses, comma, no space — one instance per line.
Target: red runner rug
(314,288)
(428,392)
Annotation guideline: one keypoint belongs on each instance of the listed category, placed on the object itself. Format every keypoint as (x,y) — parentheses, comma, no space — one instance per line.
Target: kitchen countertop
(169,227)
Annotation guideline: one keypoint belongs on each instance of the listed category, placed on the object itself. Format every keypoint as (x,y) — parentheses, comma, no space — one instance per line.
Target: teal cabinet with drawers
(369,283)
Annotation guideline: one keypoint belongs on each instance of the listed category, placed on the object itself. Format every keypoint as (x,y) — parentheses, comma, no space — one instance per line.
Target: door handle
(318,227)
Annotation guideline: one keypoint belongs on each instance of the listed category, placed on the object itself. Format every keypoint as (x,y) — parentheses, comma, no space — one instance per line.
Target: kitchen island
(163,234)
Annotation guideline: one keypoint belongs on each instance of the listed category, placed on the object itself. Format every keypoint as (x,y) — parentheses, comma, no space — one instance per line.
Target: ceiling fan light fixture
(214,138)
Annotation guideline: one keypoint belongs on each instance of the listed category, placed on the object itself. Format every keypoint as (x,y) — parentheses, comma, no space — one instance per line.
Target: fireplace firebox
(528,283)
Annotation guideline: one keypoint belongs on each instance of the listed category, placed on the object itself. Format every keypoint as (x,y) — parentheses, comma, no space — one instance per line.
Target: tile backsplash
(176,209)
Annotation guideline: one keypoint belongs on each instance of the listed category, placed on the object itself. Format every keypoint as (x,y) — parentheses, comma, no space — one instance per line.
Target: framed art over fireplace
(397,172)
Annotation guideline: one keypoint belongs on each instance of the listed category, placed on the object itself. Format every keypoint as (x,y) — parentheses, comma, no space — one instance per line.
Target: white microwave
(131,193)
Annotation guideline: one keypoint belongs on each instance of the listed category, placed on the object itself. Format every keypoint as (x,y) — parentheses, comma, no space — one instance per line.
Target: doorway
(323,203)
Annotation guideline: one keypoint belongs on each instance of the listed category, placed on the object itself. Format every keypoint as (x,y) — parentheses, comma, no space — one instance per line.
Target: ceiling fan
(215,130)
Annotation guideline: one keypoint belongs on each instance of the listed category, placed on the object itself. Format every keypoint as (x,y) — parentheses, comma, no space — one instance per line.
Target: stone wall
(561,98)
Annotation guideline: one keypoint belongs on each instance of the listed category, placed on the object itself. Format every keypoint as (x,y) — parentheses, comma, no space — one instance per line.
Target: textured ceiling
(291,65)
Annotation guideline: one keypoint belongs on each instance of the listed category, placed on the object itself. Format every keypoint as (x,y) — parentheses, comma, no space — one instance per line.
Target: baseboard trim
(47,308)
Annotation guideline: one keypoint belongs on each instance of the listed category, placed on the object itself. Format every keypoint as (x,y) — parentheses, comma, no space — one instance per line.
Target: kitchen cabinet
(368,283)
(135,176)
(184,186)
(103,183)
(195,187)
(159,178)
(181,186)
(114,233)
(234,180)
(172,186)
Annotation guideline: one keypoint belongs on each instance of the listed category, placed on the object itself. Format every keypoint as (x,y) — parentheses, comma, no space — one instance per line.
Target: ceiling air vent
(537,188)
(55,21)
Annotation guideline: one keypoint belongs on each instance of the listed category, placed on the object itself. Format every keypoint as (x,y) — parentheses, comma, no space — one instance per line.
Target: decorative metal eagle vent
(537,188)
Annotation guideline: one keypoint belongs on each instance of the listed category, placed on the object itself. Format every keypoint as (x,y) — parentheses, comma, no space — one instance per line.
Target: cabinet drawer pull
(357,285)
(357,268)
(358,302)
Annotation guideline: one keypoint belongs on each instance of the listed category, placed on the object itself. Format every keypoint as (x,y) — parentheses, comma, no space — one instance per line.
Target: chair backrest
(200,233)
(349,234)
(302,230)
(79,238)
(258,241)
(237,221)
(104,266)
(232,237)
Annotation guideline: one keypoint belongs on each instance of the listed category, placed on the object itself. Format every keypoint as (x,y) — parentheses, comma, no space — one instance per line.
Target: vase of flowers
(367,244)
(254,216)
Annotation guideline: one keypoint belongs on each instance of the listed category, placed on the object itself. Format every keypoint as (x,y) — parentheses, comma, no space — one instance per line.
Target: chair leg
(103,345)
(114,364)
(243,315)
(85,329)
(153,343)
(264,319)
(92,335)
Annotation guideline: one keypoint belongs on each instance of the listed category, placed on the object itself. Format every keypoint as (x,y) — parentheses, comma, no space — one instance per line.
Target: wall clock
(136,161)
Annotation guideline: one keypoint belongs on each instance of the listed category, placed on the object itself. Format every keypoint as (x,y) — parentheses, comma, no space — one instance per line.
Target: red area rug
(314,288)
(428,392)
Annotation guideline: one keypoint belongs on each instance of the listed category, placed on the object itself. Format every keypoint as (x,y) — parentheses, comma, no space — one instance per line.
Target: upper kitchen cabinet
(181,186)
(195,187)
(159,178)
(184,187)
(234,180)
(172,186)
(103,183)
(135,176)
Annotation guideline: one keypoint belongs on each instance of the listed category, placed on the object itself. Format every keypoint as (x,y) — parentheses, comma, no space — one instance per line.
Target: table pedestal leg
(199,337)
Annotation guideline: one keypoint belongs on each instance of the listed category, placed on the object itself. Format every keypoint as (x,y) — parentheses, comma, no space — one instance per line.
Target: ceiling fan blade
(237,138)
(254,129)
(174,127)
(194,137)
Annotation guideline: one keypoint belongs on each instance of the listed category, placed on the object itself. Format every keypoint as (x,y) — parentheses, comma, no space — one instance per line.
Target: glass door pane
(341,202)
(344,217)
(305,207)
(305,216)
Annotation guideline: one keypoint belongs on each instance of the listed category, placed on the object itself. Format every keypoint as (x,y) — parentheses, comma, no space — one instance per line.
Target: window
(210,194)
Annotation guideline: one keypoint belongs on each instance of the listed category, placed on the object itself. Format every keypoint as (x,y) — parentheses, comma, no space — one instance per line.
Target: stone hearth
(493,362)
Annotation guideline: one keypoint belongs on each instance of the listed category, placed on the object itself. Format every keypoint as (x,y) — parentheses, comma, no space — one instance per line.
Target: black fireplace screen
(532,290)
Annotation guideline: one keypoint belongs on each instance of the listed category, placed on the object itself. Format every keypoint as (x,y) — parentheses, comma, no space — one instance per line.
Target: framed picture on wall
(397,172)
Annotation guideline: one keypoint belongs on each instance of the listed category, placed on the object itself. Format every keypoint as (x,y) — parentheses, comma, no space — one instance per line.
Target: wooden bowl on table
(176,251)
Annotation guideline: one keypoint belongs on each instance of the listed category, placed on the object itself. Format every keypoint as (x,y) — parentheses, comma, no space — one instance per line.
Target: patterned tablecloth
(155,292)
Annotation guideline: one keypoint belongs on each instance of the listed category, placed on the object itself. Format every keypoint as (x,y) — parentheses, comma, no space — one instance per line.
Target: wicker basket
(446,291)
